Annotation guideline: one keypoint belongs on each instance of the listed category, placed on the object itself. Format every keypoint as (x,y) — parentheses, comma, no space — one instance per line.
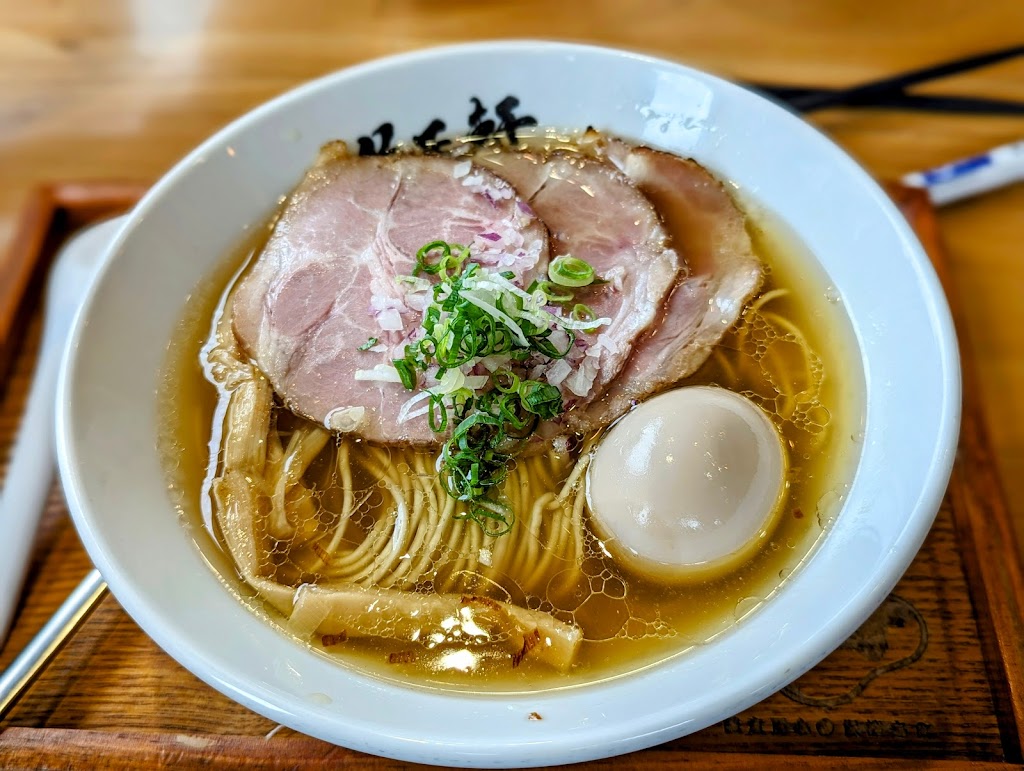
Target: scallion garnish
(541,399)
(554,292)
(440,257)
(406,371)
(480,320)
(368,344)
(582,312)
(567,270)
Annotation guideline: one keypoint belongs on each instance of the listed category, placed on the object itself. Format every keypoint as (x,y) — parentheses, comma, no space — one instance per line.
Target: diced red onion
(558,372)
(390,320)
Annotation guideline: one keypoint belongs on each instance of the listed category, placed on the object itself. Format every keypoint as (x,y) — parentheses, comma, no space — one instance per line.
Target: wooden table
(121,90)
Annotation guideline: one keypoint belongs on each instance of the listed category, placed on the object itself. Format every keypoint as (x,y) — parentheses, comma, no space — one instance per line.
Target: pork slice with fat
(709,231)
(594,212)
(324,284)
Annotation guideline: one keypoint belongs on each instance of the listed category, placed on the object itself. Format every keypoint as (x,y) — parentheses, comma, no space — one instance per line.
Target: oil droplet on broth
(827,507)
(746,605)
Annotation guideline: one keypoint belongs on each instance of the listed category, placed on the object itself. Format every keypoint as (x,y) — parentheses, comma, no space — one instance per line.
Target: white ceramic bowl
(107,410)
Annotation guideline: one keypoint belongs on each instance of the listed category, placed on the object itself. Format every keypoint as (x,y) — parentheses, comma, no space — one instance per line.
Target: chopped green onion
(505,381)
(570,271)
(541,399)
(447,256)
(406,372)
(437,414)
(368,344)
(478,316)
(451,264)
(485,512)
(545,346)
(553,293)
(582,312)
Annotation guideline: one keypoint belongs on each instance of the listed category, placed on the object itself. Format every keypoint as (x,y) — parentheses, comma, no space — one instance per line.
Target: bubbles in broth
(357,549)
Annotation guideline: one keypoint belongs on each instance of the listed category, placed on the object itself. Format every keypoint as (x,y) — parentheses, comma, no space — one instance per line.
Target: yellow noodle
(767,297)
(364,552)
(434,527)
(419,525)
(378,542)
(549,551)
(414,532)
(574,477)
(348,497)
(388,558)
(355,563)
(305,444)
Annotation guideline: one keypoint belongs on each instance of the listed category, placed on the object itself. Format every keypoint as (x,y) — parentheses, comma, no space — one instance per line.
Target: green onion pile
(478,319)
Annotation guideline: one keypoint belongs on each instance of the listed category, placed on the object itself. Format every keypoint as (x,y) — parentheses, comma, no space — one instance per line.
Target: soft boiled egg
(687,484)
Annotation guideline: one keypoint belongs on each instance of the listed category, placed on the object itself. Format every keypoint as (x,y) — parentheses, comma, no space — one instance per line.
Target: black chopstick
(890,91)
(924,102)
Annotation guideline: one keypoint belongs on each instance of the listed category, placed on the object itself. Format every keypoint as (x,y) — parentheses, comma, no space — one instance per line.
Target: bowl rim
(646,729)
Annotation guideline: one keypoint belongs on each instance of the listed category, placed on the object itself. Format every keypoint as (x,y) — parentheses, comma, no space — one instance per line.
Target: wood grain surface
(111,88)
(933,679)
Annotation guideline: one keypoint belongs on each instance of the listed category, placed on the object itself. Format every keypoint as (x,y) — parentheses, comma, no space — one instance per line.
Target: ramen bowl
(108,412)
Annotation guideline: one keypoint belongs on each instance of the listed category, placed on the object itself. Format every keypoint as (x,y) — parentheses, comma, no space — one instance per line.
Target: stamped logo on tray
(894,627)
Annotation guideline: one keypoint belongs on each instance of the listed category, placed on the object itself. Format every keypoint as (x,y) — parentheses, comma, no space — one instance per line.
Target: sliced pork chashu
(723,274)
(324,285)
(595,213)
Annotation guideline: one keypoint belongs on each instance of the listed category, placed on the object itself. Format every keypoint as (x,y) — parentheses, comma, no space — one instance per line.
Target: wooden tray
(935,674)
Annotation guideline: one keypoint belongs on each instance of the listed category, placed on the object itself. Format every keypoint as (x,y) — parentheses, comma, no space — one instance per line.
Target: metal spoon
(72,612)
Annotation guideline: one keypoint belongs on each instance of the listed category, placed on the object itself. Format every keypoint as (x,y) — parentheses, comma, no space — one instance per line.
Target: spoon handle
(74,610)
(30,473)
(29,478)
